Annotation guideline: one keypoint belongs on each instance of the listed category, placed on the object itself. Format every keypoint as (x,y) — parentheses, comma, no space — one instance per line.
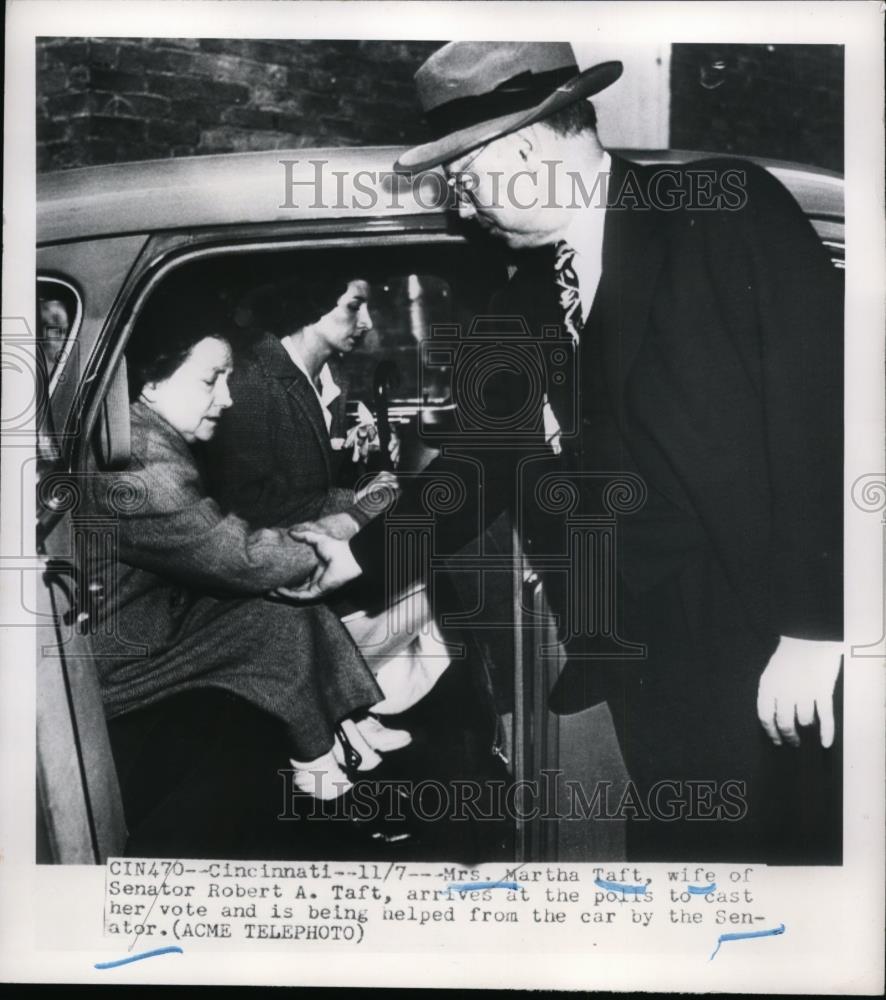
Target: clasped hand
(329,537)
(335,567)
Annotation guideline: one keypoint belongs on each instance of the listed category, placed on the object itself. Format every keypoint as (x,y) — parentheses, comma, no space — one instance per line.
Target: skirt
(297,663)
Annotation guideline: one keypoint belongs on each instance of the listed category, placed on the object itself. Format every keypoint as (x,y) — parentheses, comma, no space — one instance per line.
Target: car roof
(297,184)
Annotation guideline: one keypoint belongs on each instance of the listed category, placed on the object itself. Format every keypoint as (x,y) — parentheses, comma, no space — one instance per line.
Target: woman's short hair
(172,323)
(287,306)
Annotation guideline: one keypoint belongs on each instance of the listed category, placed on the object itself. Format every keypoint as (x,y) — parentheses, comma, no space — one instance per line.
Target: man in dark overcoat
(702,323)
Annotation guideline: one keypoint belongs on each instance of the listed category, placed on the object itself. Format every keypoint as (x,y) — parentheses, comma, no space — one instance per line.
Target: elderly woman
(190,586)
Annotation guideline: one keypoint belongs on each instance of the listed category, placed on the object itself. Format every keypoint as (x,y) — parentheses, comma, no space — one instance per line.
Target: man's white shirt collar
(585,236)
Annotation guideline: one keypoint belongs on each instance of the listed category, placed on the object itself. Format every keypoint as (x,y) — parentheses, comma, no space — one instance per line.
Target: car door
(90,295)
(79,814)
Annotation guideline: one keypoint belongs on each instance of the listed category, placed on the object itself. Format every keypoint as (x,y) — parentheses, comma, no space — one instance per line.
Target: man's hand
(336,566)
(339,526)
(798,682)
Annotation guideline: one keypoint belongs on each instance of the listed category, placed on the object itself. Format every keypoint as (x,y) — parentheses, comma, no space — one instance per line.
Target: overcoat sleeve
(175,530)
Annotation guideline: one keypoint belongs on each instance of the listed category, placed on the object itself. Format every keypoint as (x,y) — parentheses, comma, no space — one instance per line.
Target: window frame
(55,375)
(169,251)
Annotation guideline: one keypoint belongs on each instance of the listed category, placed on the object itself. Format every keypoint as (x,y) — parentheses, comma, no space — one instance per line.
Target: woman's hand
(365,441)
(336,566)
(364,438)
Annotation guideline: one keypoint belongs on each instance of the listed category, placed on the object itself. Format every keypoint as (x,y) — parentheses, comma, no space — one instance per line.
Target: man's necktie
(571,313)
(567,286)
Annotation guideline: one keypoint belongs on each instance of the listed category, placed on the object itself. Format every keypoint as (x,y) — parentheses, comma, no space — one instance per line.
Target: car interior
(447,289)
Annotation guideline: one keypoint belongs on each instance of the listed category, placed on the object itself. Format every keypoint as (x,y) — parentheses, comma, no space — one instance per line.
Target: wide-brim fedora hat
(474,92)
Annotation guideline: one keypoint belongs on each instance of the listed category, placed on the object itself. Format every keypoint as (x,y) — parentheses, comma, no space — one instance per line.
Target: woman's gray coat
(186,604)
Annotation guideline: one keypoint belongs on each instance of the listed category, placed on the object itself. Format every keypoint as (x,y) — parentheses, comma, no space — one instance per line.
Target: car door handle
(83,602)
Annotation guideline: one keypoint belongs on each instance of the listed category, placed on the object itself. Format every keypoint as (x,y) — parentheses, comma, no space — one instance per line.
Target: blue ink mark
(471,886)
(738,935)
(618,887)
(137,958)
(702,890)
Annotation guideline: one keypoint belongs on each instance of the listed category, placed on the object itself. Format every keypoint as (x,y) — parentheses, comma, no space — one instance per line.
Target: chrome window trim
(56,373)
(109,349)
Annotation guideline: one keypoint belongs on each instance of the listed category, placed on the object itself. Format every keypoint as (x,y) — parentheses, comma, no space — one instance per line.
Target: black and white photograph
(444,464)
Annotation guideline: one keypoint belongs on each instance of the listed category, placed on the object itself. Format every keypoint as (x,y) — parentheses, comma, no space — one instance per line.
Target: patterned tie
(567,286)
(570,308)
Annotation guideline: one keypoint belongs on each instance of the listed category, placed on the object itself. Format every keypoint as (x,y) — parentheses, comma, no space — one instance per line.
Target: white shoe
(380,738)
(322,778)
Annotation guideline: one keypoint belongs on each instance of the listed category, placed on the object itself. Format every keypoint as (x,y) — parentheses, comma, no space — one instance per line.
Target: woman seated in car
(285,453)
(190,585)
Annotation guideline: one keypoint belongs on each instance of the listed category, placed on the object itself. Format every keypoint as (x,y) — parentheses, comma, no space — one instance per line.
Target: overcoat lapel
(338,407)
(301,396)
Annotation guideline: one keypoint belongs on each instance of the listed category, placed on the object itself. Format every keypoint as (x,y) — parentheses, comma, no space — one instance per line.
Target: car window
(411,290)
(58,317)
(404,309)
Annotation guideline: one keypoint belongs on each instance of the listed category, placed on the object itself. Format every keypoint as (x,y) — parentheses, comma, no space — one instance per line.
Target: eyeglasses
(457,179)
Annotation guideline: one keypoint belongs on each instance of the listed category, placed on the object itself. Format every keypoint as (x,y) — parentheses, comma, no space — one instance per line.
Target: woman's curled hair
(171,324)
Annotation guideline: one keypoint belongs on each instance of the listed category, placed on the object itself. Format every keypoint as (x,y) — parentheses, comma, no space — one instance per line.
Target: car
(107,238)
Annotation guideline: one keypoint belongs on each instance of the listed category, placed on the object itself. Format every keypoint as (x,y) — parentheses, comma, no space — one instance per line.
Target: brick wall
(104,100)
(781,101)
